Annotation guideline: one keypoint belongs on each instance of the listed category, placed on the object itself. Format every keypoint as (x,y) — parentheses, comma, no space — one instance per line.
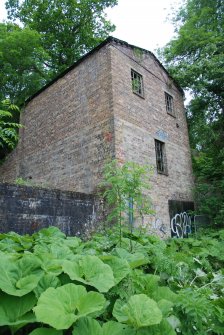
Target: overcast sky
(143,22)
(139,22)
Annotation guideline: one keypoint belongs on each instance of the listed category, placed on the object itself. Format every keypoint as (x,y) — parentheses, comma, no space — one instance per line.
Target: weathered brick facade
(90,114)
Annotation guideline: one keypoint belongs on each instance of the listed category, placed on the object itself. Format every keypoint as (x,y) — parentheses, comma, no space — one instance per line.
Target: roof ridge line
(98,47)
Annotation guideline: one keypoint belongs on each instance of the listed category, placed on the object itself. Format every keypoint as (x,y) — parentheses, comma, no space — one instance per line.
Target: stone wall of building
(68,130)
(91,115)
(26,210)
(139,121)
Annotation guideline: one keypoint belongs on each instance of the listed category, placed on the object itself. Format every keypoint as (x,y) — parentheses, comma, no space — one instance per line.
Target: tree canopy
(43,38)
(21,62)
(195,57)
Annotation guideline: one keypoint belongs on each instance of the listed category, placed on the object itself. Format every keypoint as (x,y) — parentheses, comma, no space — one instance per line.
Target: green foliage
(209,191)
(16,311)
(46,331)
(22,61)
(67,28)
(53,284)
(61,307)
(195,56)
(139,311)
(90,270)
(125,186)
(21,277)
(8,129)
(92,327)
(43,38)
(196,59)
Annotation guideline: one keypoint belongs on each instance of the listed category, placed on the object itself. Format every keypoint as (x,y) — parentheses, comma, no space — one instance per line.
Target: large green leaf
(46,331)
(139,311)
(134,259)
(91,303)
(165,306)
(87,326)
(62,306)
(14,242)
(48,280)
(46,234)
(116,328)
(72,242)
(50,264)
(19,277)
(56,250)
(144,283)
(16,310)
(118,311)
(163,292)
(119,266)
(164,328)
(92,271)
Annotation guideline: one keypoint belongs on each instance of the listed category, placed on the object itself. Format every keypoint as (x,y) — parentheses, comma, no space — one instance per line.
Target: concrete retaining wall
(26,209)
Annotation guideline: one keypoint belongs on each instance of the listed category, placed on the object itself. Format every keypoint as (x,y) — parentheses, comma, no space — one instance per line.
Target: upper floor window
(160,157)
(137,83)
(169,103)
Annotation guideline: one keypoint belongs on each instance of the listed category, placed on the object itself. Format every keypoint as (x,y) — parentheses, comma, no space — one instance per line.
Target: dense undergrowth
(140,285)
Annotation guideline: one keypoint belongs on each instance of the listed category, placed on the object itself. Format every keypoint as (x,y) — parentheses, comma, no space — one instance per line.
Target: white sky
(139,22)
(143,22)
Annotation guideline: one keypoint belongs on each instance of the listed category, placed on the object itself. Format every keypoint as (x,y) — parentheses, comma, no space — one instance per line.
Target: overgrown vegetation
(195,58)
(53,284)
(8,128)
(125,191)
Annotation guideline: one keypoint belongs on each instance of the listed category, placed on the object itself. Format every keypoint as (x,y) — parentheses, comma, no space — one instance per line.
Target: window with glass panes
(169,103)
(137,83)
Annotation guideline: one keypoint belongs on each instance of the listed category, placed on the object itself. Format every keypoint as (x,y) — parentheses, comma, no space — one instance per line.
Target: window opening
(169,103)
(160,157)
(137,83)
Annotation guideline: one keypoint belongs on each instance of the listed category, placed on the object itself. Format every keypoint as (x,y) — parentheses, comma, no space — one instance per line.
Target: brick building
(117,101)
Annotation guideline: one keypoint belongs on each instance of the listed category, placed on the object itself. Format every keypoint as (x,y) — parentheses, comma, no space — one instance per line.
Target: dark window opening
(160,157)
(169,103)
(137,83)
(178,207)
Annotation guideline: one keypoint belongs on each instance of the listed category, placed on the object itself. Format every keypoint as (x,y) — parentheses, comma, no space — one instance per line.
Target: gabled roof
(98,47)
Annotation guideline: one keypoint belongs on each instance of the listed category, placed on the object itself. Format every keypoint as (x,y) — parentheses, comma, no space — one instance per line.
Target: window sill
(139,95)
(163,173)
(171,114)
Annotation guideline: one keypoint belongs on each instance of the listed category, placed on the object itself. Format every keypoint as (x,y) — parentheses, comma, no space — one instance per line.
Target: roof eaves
(98,47)
(63,73)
